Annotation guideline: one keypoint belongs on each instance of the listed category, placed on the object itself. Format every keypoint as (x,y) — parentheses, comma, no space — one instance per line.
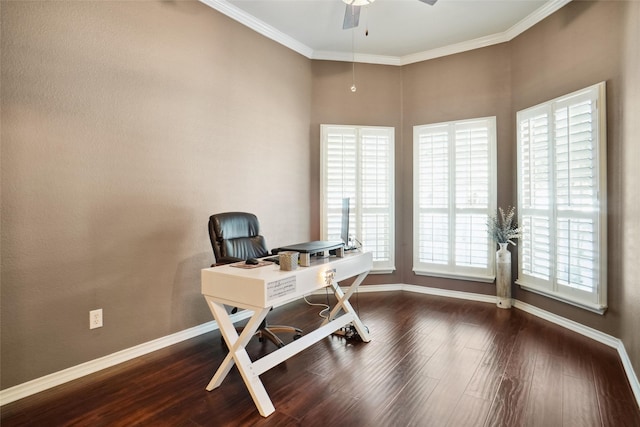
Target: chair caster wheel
(297,336)
(280,345)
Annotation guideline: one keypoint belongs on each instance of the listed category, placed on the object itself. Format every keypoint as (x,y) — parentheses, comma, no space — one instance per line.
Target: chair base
(270,331)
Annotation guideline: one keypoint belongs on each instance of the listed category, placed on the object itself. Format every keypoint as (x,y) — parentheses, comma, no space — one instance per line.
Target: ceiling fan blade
(431,2)
(351,17)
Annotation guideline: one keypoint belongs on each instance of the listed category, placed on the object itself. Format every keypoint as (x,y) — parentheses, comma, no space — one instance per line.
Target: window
(562,198)
(454,195)
(357,162)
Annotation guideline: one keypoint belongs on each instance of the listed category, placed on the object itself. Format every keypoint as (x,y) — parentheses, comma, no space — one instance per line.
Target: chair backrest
(236,236)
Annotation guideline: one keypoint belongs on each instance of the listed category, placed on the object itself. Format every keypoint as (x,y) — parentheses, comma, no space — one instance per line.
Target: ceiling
(399,31)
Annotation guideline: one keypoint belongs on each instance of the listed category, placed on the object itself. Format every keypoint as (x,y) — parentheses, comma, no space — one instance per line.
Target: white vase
(503,276)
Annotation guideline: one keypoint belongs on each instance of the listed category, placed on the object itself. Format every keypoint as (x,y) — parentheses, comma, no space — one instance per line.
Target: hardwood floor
(433,361)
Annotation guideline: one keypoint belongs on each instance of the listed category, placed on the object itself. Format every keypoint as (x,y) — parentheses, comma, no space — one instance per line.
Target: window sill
(386,270)
(594,308)
(468,277)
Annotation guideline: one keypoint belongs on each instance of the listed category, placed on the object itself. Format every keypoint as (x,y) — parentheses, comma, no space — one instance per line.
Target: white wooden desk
(261,288)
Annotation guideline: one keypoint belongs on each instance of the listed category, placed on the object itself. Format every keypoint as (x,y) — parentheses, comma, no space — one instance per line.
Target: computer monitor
(344,230)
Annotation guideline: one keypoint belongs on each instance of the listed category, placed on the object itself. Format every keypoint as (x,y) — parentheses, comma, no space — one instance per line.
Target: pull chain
(353,60)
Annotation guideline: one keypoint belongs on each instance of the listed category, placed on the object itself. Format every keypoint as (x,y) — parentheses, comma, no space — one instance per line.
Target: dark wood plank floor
(433,361)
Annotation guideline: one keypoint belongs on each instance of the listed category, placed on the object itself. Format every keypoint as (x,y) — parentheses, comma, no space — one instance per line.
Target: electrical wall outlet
(95,319)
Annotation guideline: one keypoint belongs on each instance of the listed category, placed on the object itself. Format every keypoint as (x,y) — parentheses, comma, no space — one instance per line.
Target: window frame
(452,270)
(596,300)
(358,210)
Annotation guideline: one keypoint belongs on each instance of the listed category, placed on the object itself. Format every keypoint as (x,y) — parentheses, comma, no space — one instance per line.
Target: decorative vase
(503,276)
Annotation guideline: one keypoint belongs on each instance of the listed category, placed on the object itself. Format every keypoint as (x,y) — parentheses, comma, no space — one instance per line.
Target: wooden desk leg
(344,304)
(238,355)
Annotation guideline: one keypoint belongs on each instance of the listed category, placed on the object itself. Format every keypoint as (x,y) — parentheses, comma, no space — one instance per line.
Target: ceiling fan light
(358,2)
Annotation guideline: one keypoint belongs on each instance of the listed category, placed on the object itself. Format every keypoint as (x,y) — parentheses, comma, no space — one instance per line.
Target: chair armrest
(226,260)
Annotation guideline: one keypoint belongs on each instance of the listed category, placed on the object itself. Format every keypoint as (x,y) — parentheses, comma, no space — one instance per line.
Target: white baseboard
(628,369)
(579,328)
(423,290)
(594,334)
(55,379)
(40,384)
(450,294)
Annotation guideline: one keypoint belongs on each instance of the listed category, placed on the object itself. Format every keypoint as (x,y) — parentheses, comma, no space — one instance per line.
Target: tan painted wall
(376,102)
(629,233)
(124,126)
(119,118)
(580,45)
(464,86)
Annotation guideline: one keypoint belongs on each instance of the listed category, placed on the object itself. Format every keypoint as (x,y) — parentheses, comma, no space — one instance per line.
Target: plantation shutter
(340,152)
(561,150)
(433,195)
(472,190)
(535,208)
(454,184)
(376,202)
(357,162)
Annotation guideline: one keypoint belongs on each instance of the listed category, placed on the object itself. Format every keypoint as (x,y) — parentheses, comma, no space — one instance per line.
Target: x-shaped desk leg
(343,303)
(238,354)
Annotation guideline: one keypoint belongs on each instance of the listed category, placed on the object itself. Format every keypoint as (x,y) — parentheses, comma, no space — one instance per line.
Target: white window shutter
(562,198)
(357,162)
(454,194)
(340,175)
(376,202)
(433,195)
(535,189)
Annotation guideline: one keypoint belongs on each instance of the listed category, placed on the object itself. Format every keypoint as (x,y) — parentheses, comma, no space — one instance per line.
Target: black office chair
(235,236)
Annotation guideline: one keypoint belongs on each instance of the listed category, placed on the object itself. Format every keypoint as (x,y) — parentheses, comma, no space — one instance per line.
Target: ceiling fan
(352,12)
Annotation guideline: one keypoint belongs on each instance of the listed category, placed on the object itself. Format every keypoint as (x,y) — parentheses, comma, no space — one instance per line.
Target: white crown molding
(358,57)
(454,48)
(270,32)
(40,384)
(532,19)
(258,26)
